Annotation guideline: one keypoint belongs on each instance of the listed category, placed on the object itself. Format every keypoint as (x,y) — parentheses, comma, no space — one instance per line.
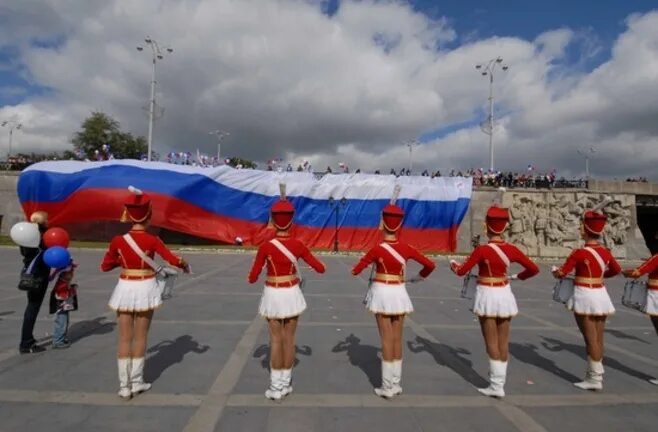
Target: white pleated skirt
(135,296)
(281,303)
(590,301)
(495,302)
(388,299)
(652,303)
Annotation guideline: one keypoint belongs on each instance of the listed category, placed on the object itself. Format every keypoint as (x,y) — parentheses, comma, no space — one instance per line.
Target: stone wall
(546,223)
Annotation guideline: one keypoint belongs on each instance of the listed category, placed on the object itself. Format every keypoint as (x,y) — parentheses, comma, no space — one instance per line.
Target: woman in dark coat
(34,297)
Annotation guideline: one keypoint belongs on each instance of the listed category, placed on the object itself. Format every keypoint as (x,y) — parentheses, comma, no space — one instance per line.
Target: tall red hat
(393,215)
(497,219)
(594,221)
(137,208)
(282,211)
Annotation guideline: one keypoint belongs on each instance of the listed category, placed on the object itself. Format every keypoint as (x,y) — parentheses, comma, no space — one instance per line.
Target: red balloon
(56,237)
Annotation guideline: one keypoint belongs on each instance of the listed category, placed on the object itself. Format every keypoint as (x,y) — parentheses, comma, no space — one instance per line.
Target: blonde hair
(39,217)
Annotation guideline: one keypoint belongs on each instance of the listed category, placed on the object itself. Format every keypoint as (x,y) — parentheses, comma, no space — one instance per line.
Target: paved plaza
(208,357)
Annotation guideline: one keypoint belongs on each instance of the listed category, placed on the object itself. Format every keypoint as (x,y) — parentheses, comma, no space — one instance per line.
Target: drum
(635,294)
(563,290)
(470,286)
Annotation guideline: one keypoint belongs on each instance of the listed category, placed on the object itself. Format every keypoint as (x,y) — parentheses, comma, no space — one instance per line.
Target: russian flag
(223,203)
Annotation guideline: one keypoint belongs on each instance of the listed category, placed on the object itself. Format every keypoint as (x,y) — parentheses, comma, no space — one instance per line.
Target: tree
(99,130)
(235,161)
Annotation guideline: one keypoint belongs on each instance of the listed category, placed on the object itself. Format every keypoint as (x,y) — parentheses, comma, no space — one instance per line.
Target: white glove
(553,268)
(515,276)
(452,261)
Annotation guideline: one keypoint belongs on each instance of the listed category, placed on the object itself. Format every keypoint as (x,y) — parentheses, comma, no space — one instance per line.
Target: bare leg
(276,343)
(588,328)
(385,327)
(126,321)
(503,327)
(289,329)
(490,334)
(397,324)
(141,329)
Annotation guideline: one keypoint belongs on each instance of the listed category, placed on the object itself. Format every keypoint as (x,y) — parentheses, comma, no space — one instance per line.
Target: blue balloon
(57,257)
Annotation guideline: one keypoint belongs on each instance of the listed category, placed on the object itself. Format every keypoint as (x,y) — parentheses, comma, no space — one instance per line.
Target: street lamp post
(488,69)
(336,204)
(219,134)
(411,145)
(12,125)
(157,52)
(586,154)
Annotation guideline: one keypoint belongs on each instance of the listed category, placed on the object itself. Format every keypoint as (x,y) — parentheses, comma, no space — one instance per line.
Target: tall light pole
(411,145)
(488,69)
(157,52)
(219,134)
(11,124)
(586,154)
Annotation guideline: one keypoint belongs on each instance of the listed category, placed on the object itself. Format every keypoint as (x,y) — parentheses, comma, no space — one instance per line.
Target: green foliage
(235,161)
(100,129)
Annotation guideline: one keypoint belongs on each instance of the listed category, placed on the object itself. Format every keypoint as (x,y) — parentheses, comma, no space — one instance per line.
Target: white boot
(286,382)
(123,365)
(397,377)
(386,390)
(497,378)
(276,385)
(593,377)
(654,381)
(137,384)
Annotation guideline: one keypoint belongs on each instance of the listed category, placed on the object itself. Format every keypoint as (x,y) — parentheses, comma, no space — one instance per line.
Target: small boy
(63,299)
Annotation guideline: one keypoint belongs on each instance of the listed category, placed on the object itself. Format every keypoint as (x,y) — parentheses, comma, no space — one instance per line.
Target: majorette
(590,302)
(387,296)
(494,302)
(282,301)
(650,267)
(136,295)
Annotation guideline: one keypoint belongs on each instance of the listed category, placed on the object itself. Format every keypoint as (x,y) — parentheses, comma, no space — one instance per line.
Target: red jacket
(279,266)
(120,254)
(491,265)
(649,266)
(386,264)
(589,273)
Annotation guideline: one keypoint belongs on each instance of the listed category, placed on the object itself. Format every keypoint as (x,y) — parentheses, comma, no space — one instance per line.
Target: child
(63,299)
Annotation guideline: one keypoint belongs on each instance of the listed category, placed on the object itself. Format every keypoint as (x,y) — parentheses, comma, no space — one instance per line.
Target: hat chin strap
(388,228)
(497,232)
(126,217)
(591,231)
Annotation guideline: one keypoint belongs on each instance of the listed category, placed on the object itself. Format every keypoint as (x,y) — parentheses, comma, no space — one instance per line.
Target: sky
(346,81)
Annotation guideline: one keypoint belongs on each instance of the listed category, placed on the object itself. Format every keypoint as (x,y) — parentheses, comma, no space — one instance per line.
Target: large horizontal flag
(223,203)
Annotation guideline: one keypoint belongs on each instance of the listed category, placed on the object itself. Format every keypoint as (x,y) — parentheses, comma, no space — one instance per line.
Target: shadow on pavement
(452,358)
(264,351)
(97,326)
(6,313)
(622,335)
(168,352)
(365,357)
(527,353)
(556,345)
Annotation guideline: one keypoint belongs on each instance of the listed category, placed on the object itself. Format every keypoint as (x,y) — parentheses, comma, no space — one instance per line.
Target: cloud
(287,80)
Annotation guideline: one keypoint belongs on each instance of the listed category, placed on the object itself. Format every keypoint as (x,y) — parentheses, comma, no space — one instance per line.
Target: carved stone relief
(548,223)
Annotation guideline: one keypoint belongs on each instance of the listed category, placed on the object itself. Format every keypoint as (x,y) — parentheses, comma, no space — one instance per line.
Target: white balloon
(26,234)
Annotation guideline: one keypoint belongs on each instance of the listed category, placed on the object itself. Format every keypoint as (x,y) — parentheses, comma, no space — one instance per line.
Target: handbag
(165,276)
(635,295)
(563,290)
(29,281)
(470,286)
